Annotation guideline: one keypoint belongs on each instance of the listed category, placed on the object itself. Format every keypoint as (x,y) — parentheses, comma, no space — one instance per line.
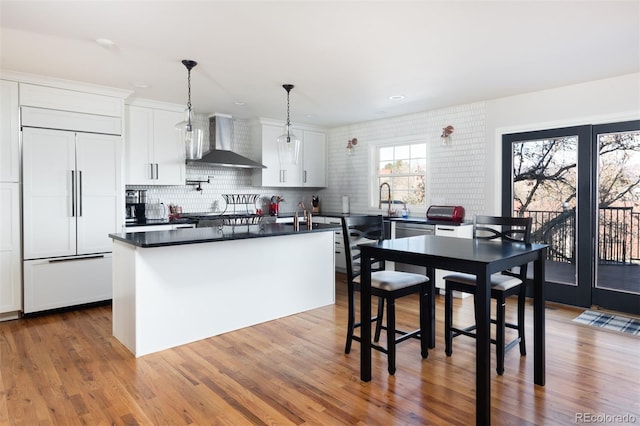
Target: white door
(314,159)
(9,132)
(49,177)
(272,175)
(139,143)
(10,264)
(98,160)
(168,150)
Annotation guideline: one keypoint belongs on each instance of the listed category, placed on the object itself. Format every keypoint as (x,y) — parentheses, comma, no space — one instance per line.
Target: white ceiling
(346,58)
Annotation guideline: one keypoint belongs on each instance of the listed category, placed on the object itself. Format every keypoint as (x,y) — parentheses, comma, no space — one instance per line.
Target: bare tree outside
(544,187)
(404,168)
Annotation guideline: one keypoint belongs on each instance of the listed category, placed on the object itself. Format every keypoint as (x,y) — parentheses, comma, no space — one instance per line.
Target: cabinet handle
(73,193)
(151,171)
(73,259)
(283,176)
(305,177)
(446,229)
(80,193)
(157,171)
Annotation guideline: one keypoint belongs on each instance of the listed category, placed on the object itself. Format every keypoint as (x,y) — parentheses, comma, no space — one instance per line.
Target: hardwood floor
(67,369)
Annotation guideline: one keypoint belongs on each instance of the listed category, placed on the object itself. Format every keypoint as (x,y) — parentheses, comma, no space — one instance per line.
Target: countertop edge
(186,236)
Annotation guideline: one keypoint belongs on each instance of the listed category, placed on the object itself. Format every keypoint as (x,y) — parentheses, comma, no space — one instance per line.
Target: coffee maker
(135,203)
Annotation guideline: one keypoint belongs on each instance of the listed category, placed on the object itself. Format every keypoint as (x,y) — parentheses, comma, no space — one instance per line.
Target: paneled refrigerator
(72,200)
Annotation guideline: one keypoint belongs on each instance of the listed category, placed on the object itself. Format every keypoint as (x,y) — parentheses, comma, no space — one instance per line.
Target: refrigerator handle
(80,193)
(73,193)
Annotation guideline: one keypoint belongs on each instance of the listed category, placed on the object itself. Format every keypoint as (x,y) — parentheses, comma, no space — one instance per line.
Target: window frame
(374,150)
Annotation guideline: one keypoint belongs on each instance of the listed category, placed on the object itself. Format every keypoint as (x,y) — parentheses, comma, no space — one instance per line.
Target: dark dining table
(478,257)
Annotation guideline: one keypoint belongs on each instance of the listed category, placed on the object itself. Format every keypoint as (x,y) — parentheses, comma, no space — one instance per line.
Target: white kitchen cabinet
(9,132)
(10,251)
(266,152)
(464,230)
(154,153)
(314,159)
(72,192)
(340,259)
(61,282)
(55,98)
(311,170)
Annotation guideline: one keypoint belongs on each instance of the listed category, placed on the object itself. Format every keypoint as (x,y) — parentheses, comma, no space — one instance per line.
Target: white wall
(468,172)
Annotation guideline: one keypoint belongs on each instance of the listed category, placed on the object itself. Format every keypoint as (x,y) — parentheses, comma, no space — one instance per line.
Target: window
(404,167)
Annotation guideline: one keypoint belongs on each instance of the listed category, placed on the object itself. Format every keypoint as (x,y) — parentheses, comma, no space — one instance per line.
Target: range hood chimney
(220,153)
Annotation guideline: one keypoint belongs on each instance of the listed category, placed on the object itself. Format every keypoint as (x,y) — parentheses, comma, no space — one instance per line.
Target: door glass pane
(618,248)
(545,188)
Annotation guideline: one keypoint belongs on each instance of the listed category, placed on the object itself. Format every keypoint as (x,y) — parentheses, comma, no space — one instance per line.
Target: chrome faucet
(388,197)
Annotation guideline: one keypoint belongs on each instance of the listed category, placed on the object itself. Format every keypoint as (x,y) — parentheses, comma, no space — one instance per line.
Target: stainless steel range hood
(219,153)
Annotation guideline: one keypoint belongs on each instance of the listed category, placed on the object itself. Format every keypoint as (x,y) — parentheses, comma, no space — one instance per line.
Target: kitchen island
(175,287)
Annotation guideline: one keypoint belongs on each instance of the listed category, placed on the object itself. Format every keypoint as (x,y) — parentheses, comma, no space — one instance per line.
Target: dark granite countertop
(213,234)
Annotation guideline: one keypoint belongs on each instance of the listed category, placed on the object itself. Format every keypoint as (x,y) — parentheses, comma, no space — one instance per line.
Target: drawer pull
(446,229)
(98,256)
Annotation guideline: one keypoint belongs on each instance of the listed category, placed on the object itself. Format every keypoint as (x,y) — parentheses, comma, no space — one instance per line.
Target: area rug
(610,322)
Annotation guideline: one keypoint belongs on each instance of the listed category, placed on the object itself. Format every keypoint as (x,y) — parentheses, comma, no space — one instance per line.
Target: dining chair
(503,285)
(387,286)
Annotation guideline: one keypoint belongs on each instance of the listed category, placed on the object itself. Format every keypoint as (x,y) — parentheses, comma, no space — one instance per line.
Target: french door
(581,187)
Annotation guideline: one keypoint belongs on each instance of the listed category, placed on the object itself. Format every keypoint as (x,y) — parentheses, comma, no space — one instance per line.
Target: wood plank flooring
(67,369)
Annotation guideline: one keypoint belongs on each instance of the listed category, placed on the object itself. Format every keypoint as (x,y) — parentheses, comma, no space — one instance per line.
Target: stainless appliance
(219,153)
(408,229)
(135,205)
(136,196)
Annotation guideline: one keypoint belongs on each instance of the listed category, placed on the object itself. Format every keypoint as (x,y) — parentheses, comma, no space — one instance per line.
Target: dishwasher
(409,229)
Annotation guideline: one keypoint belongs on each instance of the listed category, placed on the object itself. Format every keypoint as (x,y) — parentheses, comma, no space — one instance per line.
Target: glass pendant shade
(193,137)
(288,147)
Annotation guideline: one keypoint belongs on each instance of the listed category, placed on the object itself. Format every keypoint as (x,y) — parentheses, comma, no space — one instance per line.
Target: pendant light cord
(189,99)
(288,88)
(189,64)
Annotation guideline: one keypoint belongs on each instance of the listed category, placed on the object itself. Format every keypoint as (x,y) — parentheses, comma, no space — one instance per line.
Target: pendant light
(190,133)
(288,143)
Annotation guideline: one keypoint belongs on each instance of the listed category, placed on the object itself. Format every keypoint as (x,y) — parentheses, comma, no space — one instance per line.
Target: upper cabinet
(72,100)
(154,154)
(311,170)
(9,132)
(314,159)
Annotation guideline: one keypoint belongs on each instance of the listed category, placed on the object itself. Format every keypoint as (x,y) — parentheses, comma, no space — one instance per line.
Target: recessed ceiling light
(140,85)
(396,97)
(105,42)
(240,103)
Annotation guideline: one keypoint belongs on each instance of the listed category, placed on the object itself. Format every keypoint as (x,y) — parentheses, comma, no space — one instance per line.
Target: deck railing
(618,234)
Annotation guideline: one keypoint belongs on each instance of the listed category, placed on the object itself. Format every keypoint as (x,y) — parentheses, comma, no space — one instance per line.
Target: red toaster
(446,213)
